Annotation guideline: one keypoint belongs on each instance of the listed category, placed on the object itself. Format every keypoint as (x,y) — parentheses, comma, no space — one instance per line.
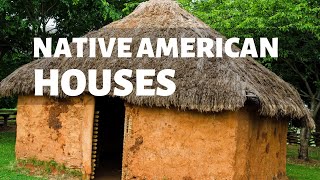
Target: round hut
(227,119)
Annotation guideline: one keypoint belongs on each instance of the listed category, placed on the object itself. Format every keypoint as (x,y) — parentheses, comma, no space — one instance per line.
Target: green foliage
(74,18)
(295,23)
(9,63)
(21,21)
(261,16)
(130,6)
(10,102)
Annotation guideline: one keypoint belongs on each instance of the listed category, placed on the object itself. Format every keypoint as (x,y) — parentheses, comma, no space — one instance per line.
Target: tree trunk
(304,143)
(305,134)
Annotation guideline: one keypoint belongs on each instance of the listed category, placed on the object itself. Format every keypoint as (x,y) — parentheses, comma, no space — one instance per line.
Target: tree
(296,23)
(22,20)
(131,5)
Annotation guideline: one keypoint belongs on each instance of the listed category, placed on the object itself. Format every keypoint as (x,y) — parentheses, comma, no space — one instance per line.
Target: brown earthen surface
(159,143)
(51,129)
(170,144)
(261,147)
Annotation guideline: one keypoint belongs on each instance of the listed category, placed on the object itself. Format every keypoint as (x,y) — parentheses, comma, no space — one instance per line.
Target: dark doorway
(110,138)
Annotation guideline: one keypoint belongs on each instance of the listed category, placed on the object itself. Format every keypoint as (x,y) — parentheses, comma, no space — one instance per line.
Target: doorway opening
(110,134)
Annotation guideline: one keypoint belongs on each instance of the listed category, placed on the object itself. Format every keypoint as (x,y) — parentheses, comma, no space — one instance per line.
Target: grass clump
(47,169)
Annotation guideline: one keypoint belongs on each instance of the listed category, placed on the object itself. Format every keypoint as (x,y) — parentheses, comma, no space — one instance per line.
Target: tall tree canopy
(296,23)
(22,20)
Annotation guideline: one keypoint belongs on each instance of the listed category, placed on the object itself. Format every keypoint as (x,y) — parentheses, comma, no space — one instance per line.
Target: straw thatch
(206,85)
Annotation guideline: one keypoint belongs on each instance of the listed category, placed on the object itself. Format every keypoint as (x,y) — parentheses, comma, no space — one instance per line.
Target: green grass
(303,172)
(299,170)
(9,170)
(7,159)
(50,169)
(314,152)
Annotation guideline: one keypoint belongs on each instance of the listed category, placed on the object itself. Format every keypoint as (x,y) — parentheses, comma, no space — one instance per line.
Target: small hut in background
(227,119)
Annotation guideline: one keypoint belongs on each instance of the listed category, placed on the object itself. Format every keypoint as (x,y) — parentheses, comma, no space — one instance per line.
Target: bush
(8,103)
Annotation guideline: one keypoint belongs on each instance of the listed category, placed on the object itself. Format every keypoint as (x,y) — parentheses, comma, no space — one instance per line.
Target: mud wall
(55,129)
(170,144)
(261,146)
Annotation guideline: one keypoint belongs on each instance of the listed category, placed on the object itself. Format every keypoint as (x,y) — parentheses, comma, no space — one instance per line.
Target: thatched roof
(206,85)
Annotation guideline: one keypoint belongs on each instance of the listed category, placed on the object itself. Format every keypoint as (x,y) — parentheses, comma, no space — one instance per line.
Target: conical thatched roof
(206,85)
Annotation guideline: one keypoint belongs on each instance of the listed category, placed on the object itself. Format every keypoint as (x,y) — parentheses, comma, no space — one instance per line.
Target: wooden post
(87,134)
(5,120)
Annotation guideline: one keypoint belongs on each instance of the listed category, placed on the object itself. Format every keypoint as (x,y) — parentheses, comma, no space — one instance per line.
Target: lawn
(292,152)
(296,170)
(7,158)
(303,172)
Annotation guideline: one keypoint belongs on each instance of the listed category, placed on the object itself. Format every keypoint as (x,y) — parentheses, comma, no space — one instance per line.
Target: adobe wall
(261,151)
(171,144)
(55,129)
(159,143)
